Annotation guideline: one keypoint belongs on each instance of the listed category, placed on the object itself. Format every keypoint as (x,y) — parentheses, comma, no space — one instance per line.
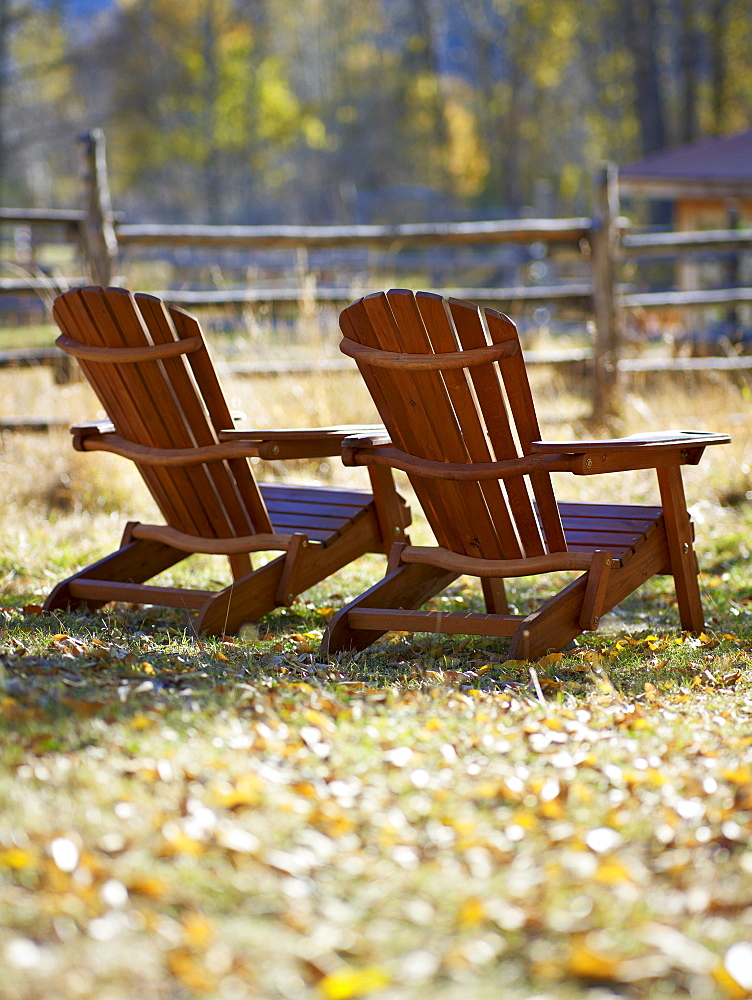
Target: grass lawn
(238,818)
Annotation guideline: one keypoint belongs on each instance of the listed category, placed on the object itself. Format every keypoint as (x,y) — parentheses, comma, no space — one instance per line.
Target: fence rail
(310,237)
(640,244)
(578,293)
(601,242)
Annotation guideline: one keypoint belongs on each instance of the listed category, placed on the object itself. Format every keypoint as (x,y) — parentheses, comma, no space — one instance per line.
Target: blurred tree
(523,54)
(199,108)
(641,30)
(38,102)
(328,110)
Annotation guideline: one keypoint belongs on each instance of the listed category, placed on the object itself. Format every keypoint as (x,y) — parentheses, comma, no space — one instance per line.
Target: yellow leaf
(612,872)
(348,983)
(16,858)
(472,912)
(319,719)
(149,886)
(553,809)
(246,792)
(651,691)
(738,775)
(182,844)
(190,973)
(177,842)
(729,986)
(548,661)
(142,722)
(585,963)
(197,930)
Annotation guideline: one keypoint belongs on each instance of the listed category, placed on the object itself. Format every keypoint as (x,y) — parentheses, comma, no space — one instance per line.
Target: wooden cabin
(708,183)
(708,186)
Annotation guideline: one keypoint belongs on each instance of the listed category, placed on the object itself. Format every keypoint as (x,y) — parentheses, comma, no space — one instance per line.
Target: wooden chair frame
(450,384)
(150,368)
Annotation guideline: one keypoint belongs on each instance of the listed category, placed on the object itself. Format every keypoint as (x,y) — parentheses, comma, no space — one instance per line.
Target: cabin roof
(720,158)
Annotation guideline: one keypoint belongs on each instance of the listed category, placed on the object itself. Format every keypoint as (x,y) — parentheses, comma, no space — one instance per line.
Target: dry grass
(237,820)
(62,508)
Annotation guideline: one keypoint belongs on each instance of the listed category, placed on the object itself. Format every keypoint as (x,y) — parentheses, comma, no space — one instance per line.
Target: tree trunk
(212,185)
(641,34)
(4,29)
(718,61)
(689,71)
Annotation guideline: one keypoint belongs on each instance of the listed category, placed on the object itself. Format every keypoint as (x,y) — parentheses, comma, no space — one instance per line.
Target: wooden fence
(602,242)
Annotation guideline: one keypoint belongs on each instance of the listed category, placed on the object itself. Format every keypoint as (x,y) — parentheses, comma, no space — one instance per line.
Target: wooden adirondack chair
(150,368)
(450,384)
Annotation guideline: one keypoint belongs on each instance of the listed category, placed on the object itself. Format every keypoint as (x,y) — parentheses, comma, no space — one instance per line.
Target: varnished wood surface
(461,422)
(151,370)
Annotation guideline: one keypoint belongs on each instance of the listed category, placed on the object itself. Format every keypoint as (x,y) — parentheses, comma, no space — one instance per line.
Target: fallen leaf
(345,984)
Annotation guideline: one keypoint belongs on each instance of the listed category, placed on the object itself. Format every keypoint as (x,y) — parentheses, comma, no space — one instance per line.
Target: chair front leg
(595,591)
(286,589)
(679,534)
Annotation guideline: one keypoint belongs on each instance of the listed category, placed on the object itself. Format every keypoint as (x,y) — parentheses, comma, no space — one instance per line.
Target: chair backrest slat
(498,419)
(424,422)
(443,340)
(477,413)
(514,375)
(170,426)
(363,323)
(160,404)
(205,375)
(193,404)
(84,318)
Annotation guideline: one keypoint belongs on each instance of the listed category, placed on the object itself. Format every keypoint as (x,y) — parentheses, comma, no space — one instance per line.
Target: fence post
(98,230)
(604,245)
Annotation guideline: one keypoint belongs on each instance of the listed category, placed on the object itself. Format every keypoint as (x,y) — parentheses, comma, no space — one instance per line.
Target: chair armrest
(636,451)
(373,453)
(359,444)
(282,443)
(669,439)
(92,429)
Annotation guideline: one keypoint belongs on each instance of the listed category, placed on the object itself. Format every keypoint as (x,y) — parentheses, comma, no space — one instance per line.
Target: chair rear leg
(242,602)
(406,587)
(494,595)
(250,598)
